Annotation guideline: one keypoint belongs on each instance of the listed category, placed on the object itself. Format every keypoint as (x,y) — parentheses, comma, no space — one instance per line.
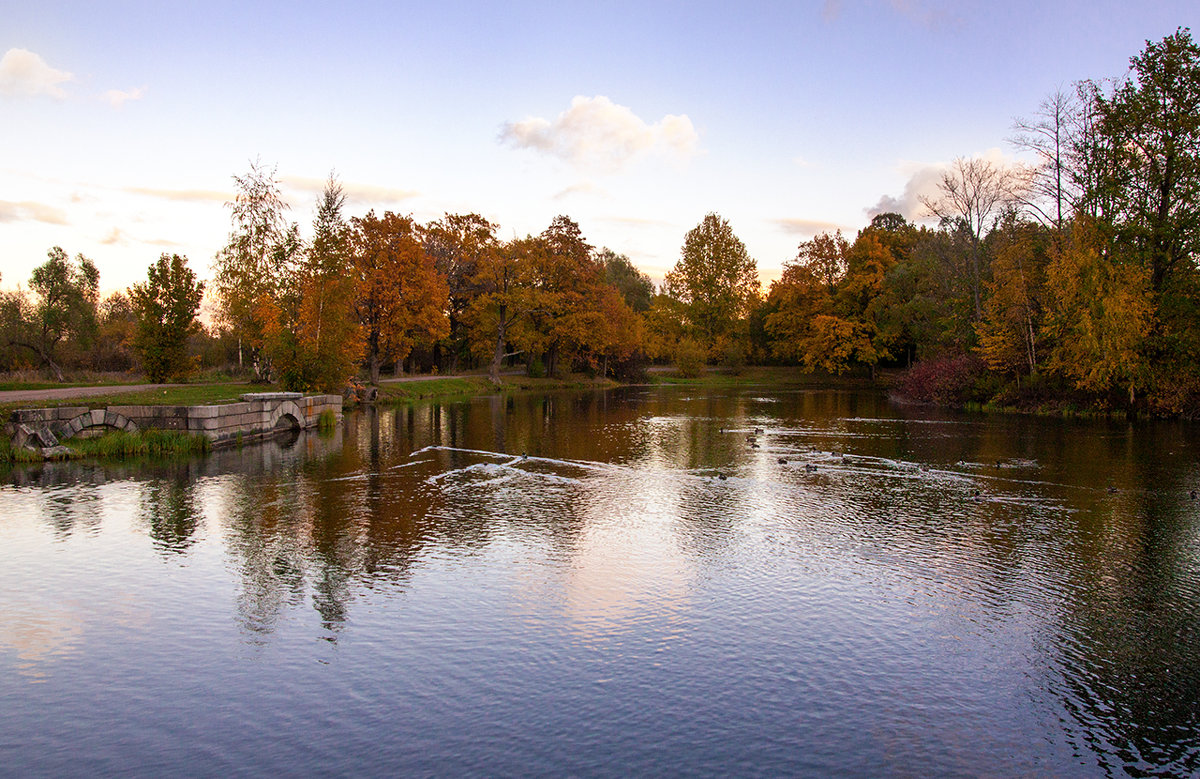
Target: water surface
(615,583)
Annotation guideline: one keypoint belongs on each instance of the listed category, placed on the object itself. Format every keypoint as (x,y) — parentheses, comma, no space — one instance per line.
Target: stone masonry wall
(257,415)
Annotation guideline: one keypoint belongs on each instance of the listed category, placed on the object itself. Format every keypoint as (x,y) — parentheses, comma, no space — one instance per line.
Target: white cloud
(597,134)
(114,237)
(806,227)
(28,210)
(117,97)
(355,193)
(582,188)
(25,74)
(924,181)
(183,195)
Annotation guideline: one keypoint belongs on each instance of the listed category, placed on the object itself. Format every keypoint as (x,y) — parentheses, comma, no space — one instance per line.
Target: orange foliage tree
(400,299)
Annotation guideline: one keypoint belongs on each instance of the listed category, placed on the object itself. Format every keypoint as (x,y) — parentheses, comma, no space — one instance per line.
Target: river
(638,581)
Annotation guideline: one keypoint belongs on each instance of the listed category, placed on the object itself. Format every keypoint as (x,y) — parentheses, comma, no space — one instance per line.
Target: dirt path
(66,393)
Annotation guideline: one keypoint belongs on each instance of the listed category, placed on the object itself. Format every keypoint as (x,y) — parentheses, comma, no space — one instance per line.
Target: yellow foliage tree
(1100,314)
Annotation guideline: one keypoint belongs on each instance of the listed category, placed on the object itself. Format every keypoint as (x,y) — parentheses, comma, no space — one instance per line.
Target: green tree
(67,296)
(165,307)
(256,262)
(1147,192)
(716,280)
(320,347)
(635,287)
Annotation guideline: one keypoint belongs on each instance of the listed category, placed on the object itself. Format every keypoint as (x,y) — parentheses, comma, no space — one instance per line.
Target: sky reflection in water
(605,583)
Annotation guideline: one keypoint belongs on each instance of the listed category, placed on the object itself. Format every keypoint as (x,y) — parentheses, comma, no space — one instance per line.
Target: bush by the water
(689,359)
(949,381)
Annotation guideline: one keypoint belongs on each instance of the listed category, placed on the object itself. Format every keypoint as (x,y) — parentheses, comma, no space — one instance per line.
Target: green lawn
(190,395)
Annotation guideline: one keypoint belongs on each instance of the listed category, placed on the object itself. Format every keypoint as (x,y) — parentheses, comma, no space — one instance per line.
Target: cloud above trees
(924,182)
(355,193)
(597,134)
(25,74)
(30,211)
(806,227)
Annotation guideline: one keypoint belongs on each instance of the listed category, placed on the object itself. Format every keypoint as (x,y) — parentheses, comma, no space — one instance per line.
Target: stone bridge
(257,415)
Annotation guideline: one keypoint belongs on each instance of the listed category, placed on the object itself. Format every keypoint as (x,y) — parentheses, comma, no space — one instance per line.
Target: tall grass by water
(144,443)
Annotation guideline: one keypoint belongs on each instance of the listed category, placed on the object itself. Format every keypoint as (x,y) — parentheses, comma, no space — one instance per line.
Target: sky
(122,124)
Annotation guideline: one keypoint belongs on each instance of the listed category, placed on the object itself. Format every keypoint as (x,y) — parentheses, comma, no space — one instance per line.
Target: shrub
(689,359)
(733,358)
(949,381)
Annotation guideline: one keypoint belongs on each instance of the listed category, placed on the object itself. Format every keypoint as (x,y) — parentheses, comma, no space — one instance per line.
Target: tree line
(1073,277)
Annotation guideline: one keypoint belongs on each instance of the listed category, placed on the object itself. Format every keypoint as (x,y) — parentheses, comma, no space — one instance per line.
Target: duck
(758,431)
(782,461)
(810,467)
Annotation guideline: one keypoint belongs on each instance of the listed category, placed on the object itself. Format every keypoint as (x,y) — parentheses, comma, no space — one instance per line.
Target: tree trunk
(498,354)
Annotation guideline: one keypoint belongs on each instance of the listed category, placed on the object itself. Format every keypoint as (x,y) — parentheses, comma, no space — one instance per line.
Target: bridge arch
(288,415)
(97,418)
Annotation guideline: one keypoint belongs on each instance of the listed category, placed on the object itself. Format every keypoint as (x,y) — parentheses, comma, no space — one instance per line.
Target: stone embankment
(258,415)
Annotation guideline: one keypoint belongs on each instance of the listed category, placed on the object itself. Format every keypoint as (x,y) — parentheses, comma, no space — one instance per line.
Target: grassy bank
(766,376)
(463,386)
(144,443)
(189,395)
(118,445)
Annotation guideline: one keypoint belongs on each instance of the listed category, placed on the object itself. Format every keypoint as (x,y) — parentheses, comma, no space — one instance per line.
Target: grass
(763,375)
(118,446)
(10,455)
(327,421)
(121,445)
(461,386)
(189,395)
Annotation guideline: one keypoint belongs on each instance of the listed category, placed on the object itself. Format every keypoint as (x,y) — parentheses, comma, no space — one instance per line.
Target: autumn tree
(1144,194)
(165,307)
(400,299)
(1010,333)
(67,293)
(505,297)
(117,327)
(460,245)
(256,260)
(972,193)
(1099,314)
(825,255)
(716,281)
(795,301)
(565,283)
(314,336)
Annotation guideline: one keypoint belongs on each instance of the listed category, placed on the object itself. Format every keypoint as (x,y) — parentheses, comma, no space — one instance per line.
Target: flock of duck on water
(976,494)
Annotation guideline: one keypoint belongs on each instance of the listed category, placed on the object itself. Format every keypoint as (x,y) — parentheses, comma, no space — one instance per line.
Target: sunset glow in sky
(123,123)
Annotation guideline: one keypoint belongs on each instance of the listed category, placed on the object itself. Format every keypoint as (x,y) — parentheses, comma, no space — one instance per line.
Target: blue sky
(123,123)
